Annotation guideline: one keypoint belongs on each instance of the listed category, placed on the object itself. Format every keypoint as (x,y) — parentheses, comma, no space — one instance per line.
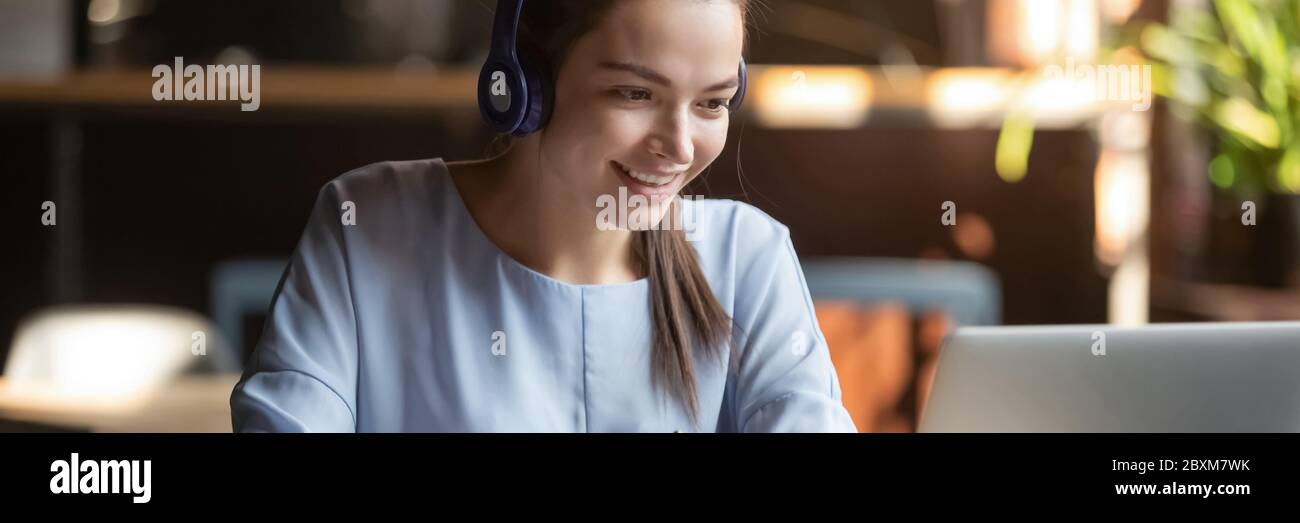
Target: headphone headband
(505,27)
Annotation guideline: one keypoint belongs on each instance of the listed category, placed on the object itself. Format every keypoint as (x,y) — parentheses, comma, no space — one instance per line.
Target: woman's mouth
(650,180)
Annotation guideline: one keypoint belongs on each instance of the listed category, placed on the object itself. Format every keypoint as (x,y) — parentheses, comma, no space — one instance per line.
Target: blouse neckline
(481,237)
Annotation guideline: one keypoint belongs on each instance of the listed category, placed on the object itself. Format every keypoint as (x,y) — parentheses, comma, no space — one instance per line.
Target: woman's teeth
(646,178)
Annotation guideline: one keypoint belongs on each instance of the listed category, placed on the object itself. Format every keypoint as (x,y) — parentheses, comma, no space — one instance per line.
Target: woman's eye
(717,105)
(635,95)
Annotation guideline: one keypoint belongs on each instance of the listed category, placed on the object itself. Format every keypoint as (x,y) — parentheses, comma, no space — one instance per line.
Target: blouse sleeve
(302,374)
(785,381)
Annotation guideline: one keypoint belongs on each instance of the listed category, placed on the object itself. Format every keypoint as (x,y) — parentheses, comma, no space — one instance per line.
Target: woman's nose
(673,140)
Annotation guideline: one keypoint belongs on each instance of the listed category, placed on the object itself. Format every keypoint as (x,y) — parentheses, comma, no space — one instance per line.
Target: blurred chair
(884,322)
(968,293)
(106,356)
(239,287)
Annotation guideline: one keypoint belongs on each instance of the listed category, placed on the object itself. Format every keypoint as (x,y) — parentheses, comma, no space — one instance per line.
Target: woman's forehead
(685,40)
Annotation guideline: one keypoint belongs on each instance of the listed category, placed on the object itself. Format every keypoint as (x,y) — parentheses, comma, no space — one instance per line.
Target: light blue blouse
(410,319)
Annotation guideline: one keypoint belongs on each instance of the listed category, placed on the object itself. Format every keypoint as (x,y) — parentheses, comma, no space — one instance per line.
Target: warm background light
(1121,193)
(812,96)
(1029,33)
(107,356)
(965,97)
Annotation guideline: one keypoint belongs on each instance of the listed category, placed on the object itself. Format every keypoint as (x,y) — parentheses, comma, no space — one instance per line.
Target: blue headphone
(514,90)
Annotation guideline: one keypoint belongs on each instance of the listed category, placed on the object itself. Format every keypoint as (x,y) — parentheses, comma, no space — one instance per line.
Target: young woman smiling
(482,296)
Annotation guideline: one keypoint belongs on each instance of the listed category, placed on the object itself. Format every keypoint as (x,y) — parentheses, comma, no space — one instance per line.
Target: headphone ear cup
(540,95)
(501,91)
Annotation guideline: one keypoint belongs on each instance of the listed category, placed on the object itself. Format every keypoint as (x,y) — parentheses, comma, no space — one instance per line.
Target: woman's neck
(540,222)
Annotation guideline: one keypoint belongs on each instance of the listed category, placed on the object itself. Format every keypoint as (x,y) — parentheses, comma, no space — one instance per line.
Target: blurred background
(939,163)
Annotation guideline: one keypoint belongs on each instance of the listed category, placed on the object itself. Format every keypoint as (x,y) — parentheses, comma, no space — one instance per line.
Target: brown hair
(684,312)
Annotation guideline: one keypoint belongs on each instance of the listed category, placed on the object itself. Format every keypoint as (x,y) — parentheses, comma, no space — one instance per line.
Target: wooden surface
(192,403)
(280,87)
(908,96)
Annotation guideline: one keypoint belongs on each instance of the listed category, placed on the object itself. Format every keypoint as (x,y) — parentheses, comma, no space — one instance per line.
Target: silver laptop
(1192,377)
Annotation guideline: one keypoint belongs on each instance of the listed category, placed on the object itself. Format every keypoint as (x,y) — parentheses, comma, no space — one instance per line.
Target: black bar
(872,471)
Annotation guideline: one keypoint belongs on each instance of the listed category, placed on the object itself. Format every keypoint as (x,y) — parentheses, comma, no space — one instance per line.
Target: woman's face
(646,91)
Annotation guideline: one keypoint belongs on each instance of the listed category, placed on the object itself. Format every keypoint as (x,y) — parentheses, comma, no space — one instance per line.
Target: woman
(491,296)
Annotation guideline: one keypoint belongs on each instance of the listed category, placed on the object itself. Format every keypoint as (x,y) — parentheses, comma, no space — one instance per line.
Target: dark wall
(24,243)
(878,192)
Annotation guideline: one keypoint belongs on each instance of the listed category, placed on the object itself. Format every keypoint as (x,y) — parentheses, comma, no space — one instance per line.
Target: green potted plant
(1233,68)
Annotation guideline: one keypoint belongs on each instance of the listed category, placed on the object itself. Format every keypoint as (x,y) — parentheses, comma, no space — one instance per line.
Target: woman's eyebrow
(654,76)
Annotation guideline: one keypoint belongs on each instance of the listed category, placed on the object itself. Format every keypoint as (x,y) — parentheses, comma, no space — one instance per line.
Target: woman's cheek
(710,143)
(624,123)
